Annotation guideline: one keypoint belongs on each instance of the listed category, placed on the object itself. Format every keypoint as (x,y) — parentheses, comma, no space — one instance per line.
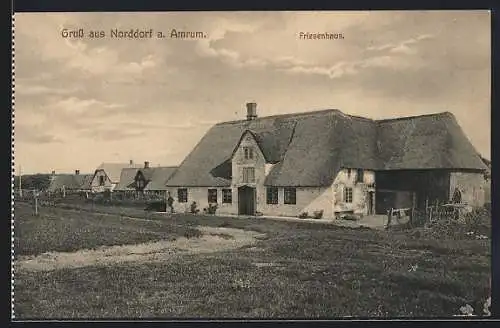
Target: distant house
(487,180)
(150,180)
(107,175)
(69,182)
(329,161)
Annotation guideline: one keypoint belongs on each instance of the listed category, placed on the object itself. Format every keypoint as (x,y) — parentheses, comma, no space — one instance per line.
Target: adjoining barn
(327,161)
(107,175)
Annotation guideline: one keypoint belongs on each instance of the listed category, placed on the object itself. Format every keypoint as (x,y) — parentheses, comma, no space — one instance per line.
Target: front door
(370,202)
(246,200)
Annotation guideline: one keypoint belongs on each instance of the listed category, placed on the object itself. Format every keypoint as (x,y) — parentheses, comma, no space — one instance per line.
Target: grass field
(300,270)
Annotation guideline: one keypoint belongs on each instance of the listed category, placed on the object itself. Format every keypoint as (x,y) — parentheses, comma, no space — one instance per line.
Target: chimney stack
(131,162)
(251,111)
(53,172)
(77,172)
(146,165)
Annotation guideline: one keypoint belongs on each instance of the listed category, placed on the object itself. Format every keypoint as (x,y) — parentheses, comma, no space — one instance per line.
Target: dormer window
(248,152)
(359,176)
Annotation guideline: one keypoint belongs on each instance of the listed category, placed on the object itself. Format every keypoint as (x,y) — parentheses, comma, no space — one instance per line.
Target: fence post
(35,194)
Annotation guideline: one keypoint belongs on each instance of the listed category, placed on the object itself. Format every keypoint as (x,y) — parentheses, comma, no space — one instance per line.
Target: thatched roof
(157,177)
(84,181)
(426,142)
(70,182)
(310,148)
(127,179)
(113,170)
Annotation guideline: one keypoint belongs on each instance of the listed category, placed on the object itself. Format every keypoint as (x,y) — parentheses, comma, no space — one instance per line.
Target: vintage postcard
(252,165)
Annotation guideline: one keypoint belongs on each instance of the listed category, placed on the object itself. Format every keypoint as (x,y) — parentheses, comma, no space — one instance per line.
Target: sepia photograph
(252,165)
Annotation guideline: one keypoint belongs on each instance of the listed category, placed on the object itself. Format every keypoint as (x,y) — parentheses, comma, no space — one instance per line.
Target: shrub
(487,207)
(303,215)
(479,220)
(350,217)
(318,214)
(194,208)
(212,208)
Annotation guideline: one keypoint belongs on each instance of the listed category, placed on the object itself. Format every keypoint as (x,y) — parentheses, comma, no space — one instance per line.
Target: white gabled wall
(308,199)
(107,183)
(471,185)
(200,196)
(359,190)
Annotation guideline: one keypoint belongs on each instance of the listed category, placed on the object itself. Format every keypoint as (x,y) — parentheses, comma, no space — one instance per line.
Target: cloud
(111,133)
(74,105)
(39,89)
(103,61)
(33,134)
(109,96)
(401,47)
(42,34)
(382,56)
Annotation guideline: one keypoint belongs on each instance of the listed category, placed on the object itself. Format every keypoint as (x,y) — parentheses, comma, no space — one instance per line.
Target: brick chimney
(77,172)
(131,162)
(251,111)
(146,165)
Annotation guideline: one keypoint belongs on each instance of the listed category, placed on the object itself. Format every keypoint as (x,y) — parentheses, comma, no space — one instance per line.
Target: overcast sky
(81,102)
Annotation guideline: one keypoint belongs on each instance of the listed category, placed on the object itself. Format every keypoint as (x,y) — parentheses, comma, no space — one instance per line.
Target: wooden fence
(431,214)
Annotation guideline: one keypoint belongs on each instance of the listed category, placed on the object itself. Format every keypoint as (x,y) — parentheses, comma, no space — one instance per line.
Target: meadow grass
(314,271)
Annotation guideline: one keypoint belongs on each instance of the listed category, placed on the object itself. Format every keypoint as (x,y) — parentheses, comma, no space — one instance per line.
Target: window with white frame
(227,196)
(272,195)
(248,175)
(347,195)
(182,195)
(212,196)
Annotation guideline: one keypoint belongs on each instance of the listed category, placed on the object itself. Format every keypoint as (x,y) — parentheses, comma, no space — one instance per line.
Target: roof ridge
(445,113)
(288,115)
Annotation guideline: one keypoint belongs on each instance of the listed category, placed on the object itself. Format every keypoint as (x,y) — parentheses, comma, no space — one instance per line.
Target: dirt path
(213,240)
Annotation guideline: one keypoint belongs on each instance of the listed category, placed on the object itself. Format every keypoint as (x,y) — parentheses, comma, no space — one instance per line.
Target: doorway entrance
(370,202)
(246,200)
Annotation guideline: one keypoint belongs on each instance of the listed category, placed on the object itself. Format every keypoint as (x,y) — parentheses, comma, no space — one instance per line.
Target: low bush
(303,215)
(211,209)
(350,217)
(193,209)
(318,214)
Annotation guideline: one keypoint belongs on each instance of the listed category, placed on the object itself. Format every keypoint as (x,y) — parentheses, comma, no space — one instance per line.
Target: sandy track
(213,240)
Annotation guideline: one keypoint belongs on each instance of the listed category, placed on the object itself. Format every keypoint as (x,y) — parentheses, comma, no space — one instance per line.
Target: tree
(33,181)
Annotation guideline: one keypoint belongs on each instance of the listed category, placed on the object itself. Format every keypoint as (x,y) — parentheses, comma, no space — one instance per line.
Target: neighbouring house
(68,183)
(328,161)
(107,175)
(154,180)
(487,180)
(146,180)
(126,183)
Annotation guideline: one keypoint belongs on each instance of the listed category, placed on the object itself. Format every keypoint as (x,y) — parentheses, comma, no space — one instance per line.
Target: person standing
(170,203)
